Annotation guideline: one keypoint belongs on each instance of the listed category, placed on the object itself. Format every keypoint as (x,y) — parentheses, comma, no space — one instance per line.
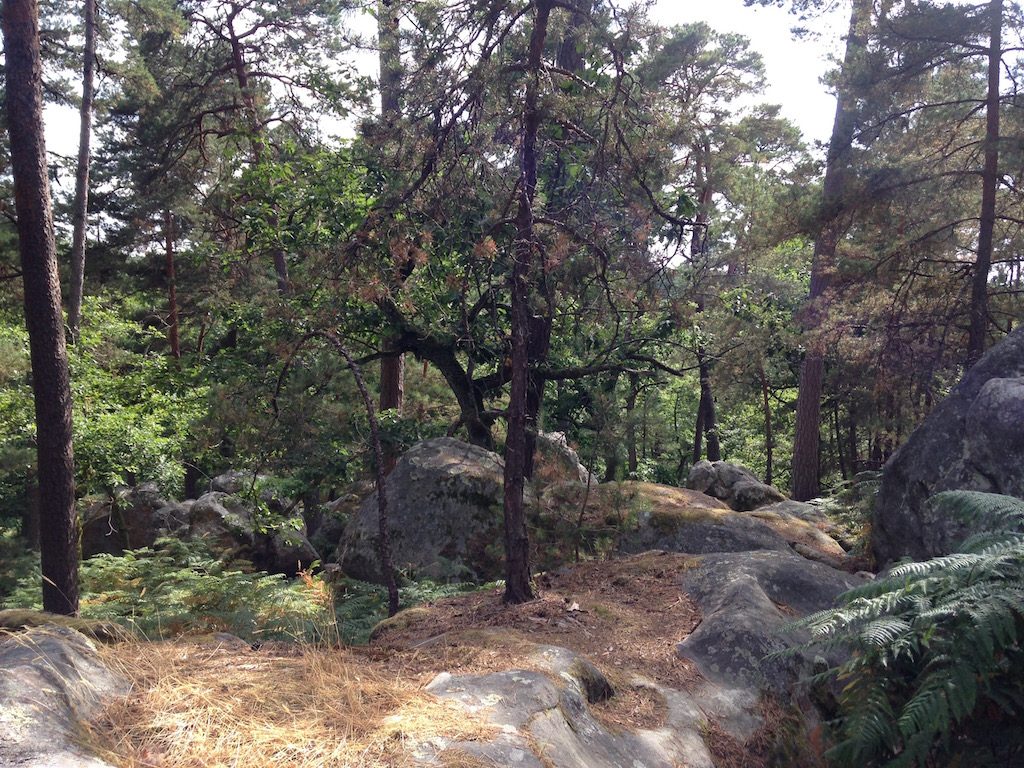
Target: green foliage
(935,669)
(179,587)
(15,560)
(360,606)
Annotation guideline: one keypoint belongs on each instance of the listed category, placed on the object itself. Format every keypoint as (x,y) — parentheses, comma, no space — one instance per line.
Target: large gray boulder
(51,682)
(128,519)
(736,485)
(557,461)
(445,515)
(748,599)
(230,527)
(973,440)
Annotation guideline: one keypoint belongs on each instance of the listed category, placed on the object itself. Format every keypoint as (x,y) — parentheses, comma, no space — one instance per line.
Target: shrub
(179,587)
(934,670)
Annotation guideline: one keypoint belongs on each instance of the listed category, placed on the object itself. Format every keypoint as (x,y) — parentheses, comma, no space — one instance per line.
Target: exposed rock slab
(545,718)
(972,440)
(688,521)
(748,599)
(51,681)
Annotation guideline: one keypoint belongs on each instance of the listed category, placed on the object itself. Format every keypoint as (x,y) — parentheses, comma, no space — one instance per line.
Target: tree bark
(631,457)
(978,334)
(256,140)
(698,432)
(392,368)
(81,203)
(172,287)
(707,406)
(769,435)
(517,548)
(806,483)
(43,316)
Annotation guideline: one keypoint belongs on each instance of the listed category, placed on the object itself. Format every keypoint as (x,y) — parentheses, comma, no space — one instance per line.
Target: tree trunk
(517,548)
(989,179)
(707,406)
(851,440)
(392,368)
(769,436)
(81,203)
(256,141)
(172,287)
(698,432)
(805,479)
(383,527)
(43,316)
(30,514)
(631,459)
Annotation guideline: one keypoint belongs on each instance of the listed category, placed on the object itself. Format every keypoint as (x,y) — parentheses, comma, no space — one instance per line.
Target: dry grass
(626,614)
(199,705)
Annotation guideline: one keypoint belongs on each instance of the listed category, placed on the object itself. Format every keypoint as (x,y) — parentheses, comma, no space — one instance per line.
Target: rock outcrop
(51,682)
(229,524)
(683,520)
(748,599)
(546,718)
(556,461)
(973,440)
(445,513)
(735,485)
(127,520)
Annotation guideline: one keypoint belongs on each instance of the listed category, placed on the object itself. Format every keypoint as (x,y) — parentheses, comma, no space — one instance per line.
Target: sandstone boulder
(737,486)
(127,520)
(973,440)
(230,528)
(51,682)
(445,512)
(556,461)
(545,717)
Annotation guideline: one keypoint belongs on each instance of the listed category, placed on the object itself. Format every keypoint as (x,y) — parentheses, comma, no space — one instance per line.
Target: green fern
(934,669)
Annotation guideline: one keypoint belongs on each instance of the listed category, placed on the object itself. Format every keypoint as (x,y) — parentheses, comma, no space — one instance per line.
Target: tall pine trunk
(173,338)
(989,179)
(81,204)
(517,545)
(256,140)
(392,367)
(769,432)
(805,474)
(43,315)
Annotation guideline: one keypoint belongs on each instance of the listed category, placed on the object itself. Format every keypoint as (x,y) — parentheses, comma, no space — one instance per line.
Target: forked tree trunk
(517,545)
(989,179)
(43,315)
(81,204)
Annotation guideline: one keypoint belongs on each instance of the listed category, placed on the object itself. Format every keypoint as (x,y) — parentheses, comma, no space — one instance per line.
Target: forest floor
(216,701)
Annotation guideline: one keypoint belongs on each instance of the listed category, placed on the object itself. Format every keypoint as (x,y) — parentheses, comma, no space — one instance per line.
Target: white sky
(794,67)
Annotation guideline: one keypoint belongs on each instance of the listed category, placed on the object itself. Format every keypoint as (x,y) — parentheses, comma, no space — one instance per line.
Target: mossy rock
(18,619)
(399,622)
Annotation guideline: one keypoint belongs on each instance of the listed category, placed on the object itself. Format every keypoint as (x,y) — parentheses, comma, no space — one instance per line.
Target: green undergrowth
(178,588)
(934,663)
